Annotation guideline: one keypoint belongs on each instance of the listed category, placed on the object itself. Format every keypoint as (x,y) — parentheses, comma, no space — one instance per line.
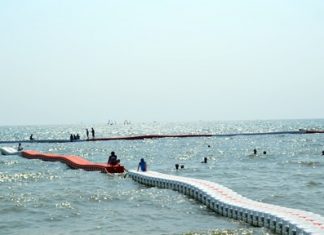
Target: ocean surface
(39,197)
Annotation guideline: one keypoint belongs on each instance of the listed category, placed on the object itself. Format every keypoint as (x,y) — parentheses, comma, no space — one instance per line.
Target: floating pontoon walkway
(74,162)
(136,137)
(280,220)
(141,137)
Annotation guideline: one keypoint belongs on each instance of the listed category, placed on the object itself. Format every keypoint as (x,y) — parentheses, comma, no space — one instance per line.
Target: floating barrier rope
(226,202)
(141,137)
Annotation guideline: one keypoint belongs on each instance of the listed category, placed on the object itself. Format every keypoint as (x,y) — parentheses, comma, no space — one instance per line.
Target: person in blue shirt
(142,165)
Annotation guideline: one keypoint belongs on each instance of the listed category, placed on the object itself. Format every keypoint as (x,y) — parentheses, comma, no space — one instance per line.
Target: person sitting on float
(112,160)
(142,165)
(19,147)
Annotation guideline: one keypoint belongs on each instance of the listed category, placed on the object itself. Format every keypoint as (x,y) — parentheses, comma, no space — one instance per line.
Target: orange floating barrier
(74,162)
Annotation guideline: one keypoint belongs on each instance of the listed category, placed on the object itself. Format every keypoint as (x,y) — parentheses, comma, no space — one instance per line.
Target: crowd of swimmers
(113,160)
(143,166)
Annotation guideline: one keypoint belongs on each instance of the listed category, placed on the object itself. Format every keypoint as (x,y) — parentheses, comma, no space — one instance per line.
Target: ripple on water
(55,198)
(310,163)
(25,177)
(8,162)
(243,231)
(313,184)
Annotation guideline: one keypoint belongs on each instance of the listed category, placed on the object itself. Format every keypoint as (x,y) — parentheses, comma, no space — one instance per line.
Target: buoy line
(226,202)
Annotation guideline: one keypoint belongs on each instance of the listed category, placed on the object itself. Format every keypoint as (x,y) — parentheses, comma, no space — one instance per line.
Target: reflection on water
(37,196)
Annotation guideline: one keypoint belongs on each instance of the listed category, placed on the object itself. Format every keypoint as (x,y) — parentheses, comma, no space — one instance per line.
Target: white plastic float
(8,151)
(224,201)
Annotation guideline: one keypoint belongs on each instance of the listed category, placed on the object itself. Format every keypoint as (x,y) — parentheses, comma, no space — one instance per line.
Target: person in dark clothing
(205,160)
(19,147)
(87,132)
(112,160)
(93,133)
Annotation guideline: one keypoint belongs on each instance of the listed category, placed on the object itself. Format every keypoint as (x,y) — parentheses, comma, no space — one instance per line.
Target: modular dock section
(226,202)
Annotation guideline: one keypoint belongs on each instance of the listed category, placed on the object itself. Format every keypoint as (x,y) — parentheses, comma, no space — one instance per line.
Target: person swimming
(205,160)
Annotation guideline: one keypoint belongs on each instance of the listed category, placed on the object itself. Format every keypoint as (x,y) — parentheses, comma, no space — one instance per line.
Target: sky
(78,61)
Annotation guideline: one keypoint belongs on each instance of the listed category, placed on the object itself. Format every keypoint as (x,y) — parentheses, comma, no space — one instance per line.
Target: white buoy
(9,151)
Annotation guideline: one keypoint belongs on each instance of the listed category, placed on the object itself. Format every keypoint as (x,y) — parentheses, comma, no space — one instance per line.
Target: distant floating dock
(136,137)
(141,137)
(224,201)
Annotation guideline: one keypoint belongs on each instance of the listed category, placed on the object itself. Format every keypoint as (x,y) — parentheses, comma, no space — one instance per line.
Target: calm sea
(38,197)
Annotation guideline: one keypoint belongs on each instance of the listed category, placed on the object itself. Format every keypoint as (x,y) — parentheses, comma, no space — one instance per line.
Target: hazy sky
(78,61)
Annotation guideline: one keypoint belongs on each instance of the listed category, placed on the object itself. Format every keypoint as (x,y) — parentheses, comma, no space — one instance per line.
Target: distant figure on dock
(87,133)
(205,160)
(255,151)
(71,138)
(142,165)
(19,147)
(112,160)
(93,133)
(31,138)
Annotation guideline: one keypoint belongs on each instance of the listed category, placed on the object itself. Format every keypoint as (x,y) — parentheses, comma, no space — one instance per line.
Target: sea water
(39,197)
